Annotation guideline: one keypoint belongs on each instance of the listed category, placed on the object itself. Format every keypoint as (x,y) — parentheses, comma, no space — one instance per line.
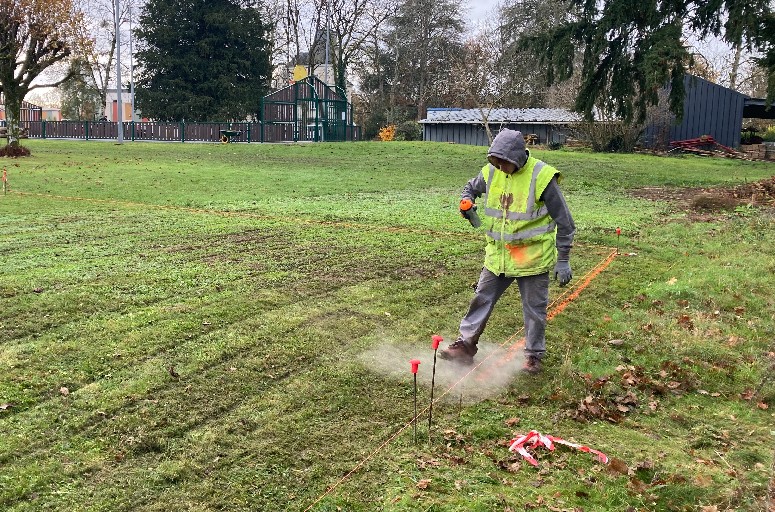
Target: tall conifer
(633,49)
(201,60)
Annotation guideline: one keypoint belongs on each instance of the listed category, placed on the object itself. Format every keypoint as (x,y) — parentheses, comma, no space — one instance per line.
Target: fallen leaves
(686,322)
(64,391)
(611,399)
(424,483)
(618,466)
(512,465)
(427,463)
(5,407)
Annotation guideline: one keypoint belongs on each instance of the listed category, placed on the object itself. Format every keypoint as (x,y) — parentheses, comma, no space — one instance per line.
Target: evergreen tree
(521,77)
(201,60)
(632,50)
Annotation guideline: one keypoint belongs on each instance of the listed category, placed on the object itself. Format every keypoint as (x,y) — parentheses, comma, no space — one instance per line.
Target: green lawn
(197,327)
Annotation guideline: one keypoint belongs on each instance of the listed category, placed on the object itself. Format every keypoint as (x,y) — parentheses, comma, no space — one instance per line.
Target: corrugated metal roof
(501,115)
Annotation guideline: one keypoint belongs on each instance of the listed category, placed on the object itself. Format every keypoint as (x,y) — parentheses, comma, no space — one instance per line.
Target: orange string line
(250,215)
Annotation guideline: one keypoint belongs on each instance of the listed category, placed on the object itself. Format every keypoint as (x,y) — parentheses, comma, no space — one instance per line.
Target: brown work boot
(459,352)
(532,365)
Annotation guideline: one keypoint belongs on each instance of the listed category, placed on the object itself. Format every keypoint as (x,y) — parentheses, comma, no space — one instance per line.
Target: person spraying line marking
(529,233)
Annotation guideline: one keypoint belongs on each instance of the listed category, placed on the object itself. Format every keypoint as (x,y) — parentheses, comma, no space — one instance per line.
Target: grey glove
(562,272)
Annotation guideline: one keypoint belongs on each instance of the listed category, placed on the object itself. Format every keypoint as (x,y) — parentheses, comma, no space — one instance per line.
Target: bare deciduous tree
(100,18)
(34,35)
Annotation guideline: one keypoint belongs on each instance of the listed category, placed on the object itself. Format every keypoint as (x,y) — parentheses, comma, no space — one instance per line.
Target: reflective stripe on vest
(531,213)
(522,235)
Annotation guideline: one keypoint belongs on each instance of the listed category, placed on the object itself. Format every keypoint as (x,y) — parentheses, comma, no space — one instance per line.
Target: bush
(609,136)
(409,130)
(554,145)
(387,133)
(769,134)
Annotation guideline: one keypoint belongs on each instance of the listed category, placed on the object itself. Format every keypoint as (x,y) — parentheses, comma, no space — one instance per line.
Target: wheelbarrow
(229,135)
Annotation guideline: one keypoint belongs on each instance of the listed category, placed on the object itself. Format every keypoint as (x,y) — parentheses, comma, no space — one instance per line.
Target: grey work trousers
(534,292)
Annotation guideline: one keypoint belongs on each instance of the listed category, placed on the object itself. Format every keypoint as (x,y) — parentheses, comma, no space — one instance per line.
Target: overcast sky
(479,8)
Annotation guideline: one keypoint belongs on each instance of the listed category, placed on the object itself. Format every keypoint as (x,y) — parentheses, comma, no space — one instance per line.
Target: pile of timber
(707,146)
(757,151)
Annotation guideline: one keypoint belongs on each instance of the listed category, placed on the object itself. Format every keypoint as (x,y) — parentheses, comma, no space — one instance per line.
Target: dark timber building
(709,109)
(466,126)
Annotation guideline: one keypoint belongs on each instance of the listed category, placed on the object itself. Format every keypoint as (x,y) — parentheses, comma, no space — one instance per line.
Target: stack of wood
(754,151)
(573,143)
(707,146)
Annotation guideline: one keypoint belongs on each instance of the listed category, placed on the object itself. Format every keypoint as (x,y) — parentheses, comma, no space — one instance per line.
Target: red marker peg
(618,233)
(415,364)
(436,339)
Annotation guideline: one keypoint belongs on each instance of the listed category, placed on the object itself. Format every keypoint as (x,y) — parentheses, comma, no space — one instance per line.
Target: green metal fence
(308,110)
(275,131)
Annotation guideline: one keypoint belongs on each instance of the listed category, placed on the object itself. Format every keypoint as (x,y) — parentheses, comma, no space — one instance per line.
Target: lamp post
(119,116)
(131,65)
(328,37)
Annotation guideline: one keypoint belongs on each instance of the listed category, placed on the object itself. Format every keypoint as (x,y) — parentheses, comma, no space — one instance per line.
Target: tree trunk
(735,65)
(13,107)
(341,71)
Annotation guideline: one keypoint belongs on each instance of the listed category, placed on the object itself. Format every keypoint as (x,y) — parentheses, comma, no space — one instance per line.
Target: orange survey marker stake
(415,364)
(435,340)
(5,180)
(618,234)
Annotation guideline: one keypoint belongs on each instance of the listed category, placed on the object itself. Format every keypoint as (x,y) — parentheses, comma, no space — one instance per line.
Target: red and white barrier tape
(534,439)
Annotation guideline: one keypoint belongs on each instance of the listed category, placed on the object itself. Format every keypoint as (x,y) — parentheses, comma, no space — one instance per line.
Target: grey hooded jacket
(509,145)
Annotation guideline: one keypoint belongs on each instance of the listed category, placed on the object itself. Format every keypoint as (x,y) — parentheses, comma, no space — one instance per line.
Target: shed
(709,109)
(466,126)
(307,110)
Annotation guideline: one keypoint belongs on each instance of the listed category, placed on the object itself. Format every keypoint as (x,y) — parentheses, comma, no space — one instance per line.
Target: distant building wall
(28,111)
(111,106)
(475,134)
(709,109)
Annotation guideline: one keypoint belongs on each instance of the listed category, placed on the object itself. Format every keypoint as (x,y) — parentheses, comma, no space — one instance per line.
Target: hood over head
(509,145)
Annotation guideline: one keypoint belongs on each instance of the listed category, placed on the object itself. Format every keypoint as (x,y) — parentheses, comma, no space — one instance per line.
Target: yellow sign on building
(299,73)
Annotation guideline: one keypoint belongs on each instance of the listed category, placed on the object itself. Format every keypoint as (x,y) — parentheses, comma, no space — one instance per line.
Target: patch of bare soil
(709,200)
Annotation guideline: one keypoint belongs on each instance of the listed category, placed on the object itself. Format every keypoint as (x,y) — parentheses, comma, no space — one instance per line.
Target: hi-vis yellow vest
(521,236)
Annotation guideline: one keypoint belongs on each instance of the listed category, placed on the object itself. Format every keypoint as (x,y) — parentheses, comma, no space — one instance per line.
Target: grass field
(197,327)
